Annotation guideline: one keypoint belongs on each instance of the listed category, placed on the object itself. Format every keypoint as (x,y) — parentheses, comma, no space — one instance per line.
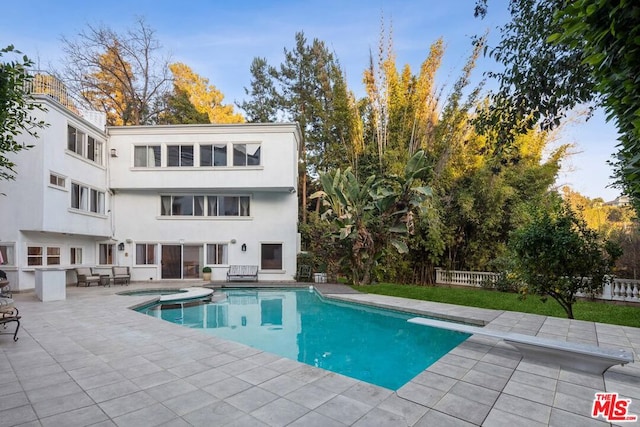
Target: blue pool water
(373,345)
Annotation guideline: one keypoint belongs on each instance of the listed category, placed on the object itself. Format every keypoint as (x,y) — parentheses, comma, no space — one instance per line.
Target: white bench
(574,356)
(242,272)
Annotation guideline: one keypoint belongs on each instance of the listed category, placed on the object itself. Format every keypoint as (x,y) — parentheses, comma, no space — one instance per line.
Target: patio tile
(258,375)
(208,377)
(433,380)
(251,399)
(498,418)
(436,418)
(335,382)
(52,391)
(380,418)
(156,378)
(307,373)
(129,403)
(244,421)
(215,414)
(577,405)
(523,408)
(310,396)
(568,419)
(538,381)
(314,419)
(344,409)
(280,412)
(530,392)
(448,370)
(170,390)
(460,407)
(18,415)
(367,393)
(14,400)
(227,387)
(153,415)
(489,381)
(59,404)
(420,394)
(79,417)
(408,410)
(475,393)
(112,391)
(189,402)
(282,385)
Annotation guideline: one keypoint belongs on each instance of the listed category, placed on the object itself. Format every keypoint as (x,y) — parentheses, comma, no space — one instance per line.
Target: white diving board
(574,356)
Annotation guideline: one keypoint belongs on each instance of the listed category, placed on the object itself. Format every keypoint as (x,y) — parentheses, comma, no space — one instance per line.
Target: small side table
(105,280)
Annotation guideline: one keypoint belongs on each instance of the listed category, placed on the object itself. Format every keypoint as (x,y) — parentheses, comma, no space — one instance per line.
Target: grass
(594,311)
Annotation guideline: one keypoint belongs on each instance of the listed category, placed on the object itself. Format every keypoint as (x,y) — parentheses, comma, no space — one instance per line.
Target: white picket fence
(627,290)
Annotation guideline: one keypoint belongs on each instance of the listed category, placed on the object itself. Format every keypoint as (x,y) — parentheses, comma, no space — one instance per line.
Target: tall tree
(558,54)
(308,88)
(204,97)
(120,74)
(16,108)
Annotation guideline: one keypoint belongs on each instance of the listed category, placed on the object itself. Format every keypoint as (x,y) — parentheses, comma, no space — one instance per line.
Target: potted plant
(206,274)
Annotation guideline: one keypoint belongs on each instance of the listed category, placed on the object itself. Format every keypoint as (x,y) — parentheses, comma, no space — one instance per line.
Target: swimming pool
(370,344)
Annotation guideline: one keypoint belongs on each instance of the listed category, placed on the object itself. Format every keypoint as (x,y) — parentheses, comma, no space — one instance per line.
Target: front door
(171,261)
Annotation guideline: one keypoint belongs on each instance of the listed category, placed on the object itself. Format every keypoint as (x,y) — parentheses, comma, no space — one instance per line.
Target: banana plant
(368,216)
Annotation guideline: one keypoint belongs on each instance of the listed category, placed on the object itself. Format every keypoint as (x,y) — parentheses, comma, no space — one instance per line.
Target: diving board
(569,355)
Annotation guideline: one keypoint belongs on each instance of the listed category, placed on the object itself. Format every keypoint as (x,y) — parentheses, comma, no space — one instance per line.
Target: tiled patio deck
(89,360)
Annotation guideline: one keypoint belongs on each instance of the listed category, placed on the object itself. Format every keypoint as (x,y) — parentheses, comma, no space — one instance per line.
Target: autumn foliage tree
(120,74)
(194,99)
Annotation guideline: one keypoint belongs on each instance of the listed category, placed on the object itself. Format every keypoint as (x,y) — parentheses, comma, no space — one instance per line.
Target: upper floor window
(246,154)
(213,155)
(188,205)
(146,156)
(57,180)
(87,199)
(75,140)
(84,145)
(180,155)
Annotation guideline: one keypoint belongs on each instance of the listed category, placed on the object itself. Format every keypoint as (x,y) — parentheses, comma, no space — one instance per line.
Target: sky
(219,39)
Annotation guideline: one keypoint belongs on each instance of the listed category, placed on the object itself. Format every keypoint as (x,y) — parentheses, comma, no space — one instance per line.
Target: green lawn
(583,310)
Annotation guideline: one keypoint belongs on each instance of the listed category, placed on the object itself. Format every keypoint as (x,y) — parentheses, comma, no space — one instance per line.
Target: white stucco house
(163,200)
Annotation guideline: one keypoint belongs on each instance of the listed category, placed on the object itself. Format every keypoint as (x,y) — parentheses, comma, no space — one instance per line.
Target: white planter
(320,277)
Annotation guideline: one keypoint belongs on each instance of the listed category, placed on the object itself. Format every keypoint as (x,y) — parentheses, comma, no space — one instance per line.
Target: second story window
(57,180)
(146,156)
(246,154)
(213,155)
(179,155)
(86,199)
(84,145)
(75,140)
(188,205)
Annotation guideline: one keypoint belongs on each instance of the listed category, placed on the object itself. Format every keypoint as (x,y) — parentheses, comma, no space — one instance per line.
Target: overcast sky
(219,39)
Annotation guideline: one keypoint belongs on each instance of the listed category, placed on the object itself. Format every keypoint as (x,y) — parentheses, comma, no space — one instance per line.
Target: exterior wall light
(244,247)
(114,152)
(121,246)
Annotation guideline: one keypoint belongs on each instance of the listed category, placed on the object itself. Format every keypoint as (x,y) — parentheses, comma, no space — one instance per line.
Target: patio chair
(8,314)
(86,276)
(121,275)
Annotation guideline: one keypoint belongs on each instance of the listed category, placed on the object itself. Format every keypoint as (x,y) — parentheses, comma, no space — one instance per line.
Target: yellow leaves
(206,98)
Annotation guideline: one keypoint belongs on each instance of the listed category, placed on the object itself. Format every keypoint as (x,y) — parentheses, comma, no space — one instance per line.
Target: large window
(7,254)
(271,256)
(87,199)
(180,155)
(84,145)
(146,156)
(105,253)
(246,154)
(145,253)
(217,253)
(213,155)
(53,256)
(34,255)
(188,205)
(75,256)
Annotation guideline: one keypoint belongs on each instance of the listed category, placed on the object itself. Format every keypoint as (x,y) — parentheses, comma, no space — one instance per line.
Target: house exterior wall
(38,214)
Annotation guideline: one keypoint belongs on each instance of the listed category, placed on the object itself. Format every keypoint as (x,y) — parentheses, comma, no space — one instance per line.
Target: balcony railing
(626,290)
(46,84)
